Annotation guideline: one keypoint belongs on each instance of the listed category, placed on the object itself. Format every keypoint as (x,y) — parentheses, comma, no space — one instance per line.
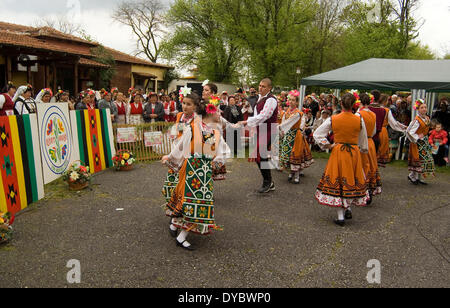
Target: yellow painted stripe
(89,141)
(18,162)
(100,138)
(3,206)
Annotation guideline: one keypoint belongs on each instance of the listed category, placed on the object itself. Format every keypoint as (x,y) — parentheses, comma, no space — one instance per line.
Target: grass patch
(404,164)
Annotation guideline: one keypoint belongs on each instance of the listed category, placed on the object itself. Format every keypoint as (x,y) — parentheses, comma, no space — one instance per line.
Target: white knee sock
(172,226)
(340,214)
(297,176)
(182,238)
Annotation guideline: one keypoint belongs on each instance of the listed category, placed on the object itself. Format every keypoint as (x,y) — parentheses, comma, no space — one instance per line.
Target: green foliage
(246,40)
(102,55)
(200,40)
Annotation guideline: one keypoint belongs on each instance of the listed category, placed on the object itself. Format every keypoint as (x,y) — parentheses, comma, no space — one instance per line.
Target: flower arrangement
(124,160)
(78,177)
(6,231)
(418,103)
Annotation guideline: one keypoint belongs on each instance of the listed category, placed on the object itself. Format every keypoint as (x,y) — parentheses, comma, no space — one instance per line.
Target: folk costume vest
(270,123)
(8,105)
(346,128)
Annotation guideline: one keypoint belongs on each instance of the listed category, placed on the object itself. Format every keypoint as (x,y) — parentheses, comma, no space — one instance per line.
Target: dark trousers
(266,173)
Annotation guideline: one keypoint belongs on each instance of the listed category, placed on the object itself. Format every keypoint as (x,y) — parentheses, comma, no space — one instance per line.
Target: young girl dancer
(295,154)
(192,204)
(343,183)
(421,162)
(182,122)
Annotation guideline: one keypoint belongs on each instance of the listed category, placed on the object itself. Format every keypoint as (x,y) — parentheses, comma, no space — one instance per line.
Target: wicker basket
(126,168)
(77,186)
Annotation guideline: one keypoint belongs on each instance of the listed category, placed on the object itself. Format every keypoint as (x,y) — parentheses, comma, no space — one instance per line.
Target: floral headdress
(294,93)
(206,82)
(418,103)
(214,101)
(113,90)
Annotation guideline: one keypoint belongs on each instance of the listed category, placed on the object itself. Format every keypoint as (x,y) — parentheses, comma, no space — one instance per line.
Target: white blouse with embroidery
(321,134)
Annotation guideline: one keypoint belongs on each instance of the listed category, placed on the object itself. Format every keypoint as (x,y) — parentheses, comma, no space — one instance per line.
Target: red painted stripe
(9,180)
(93,123)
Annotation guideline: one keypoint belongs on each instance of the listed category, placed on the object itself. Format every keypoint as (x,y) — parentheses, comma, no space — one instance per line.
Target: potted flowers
(78,177)
(5,227)
(124,160)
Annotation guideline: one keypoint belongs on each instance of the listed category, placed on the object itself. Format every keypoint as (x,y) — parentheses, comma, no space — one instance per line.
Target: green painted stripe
(80,136)
(25,160)
(30,147)
(106,140)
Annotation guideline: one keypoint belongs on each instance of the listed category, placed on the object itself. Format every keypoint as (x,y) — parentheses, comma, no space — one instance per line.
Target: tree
(408,25)
(61,24)
(102,55)
(198,39)
(145,18)
(272,33)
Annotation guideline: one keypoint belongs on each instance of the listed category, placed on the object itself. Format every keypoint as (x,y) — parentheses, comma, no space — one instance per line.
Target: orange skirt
(384,151)
(343,183)
(371,171)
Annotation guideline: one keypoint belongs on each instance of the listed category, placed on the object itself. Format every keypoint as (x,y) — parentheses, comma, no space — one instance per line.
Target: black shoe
(348,215)
(422,183)
(272,187)
(290,178)
(369,202)
(267,188)
(190,248)
(296,182)
(174,234)
(413,182)
(339,222)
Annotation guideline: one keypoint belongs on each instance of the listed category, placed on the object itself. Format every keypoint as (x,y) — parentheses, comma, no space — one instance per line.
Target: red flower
(211,109)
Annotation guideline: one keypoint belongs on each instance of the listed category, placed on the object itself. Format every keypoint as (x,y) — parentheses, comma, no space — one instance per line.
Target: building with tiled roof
(45,57)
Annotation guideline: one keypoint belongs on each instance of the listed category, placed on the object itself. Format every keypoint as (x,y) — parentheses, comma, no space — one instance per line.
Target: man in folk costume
(384,119)
(265,120)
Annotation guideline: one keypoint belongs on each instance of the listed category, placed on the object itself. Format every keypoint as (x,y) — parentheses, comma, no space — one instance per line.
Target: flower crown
(418,103)
(294,93)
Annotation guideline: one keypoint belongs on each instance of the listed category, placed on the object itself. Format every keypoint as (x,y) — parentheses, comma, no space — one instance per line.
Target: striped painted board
(21,180)
(93,138)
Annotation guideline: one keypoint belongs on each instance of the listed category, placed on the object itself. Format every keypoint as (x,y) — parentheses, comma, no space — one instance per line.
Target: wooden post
(54,77)
(45,75)
(9,75)
(76,78)
(29,81)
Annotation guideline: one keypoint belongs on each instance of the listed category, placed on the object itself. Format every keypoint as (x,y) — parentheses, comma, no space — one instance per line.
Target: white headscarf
(20,91)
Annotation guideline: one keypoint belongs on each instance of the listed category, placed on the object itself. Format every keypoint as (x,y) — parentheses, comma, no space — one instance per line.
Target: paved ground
(281,240)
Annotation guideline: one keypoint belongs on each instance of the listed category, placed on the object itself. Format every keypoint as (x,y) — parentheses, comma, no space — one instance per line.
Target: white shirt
(269,108)
(2,100)
(411,131)
(286,125)
(321,134)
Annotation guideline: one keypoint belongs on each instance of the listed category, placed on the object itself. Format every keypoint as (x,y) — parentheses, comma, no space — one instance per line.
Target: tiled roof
(49,39)
(89,62)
